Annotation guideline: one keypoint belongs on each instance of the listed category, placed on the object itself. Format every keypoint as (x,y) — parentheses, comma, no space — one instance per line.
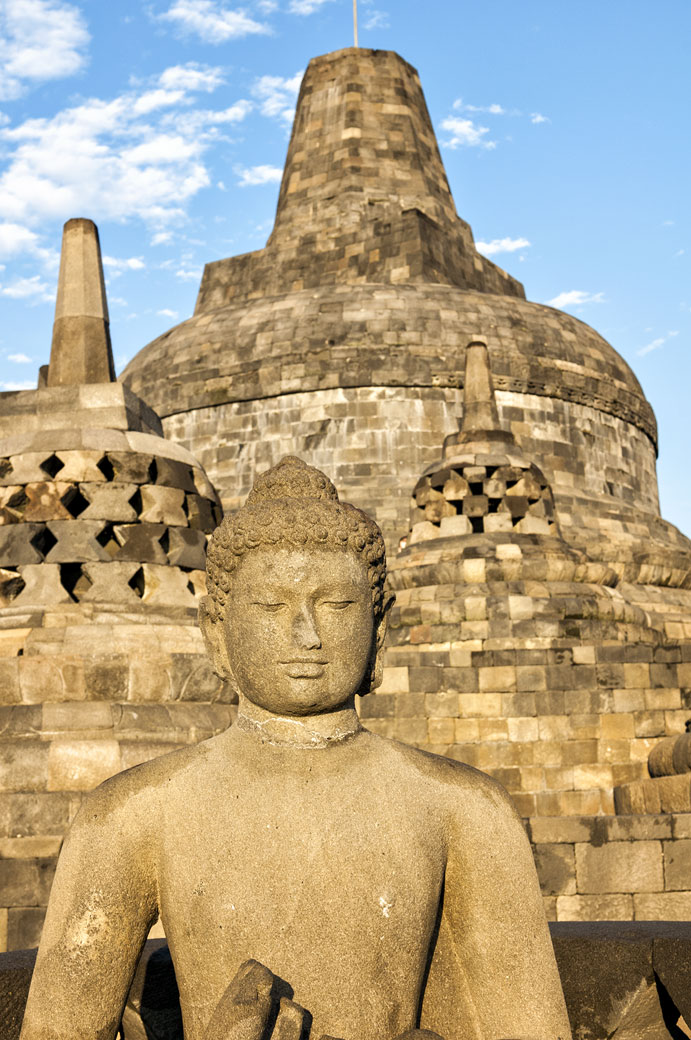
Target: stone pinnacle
(480,416)
(81,350)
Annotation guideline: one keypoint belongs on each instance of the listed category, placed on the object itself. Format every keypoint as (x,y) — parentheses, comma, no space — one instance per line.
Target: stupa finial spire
(355,43)
(81,350)
(480,414)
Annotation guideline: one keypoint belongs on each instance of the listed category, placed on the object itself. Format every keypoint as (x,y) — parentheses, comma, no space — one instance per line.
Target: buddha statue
(389,888)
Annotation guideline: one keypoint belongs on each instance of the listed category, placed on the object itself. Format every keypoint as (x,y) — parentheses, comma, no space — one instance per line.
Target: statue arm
(102,905)
(493,974)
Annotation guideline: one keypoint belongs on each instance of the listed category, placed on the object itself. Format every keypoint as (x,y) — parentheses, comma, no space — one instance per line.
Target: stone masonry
(103,528)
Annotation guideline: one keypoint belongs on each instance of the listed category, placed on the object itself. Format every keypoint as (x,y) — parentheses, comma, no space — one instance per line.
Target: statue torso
(325,865)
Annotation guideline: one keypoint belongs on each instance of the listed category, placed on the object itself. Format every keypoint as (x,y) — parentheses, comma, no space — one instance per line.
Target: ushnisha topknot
(292,506)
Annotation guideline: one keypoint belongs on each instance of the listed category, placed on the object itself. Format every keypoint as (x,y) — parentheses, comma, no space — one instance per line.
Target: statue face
(299,629)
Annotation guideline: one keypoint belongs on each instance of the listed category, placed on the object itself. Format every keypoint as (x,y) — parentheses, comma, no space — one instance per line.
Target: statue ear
(212,631)
(377,672)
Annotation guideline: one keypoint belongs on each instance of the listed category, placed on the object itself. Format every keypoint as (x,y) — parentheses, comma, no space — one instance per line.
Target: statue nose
(305,632)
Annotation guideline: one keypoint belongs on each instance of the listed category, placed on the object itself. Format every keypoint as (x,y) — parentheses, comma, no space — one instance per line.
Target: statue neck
(298,731)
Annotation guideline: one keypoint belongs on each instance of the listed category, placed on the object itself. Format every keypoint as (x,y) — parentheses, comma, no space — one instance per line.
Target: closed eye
(339,604)
(270,608)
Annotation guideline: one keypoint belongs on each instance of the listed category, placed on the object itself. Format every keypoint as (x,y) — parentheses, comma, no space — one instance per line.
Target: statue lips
(304,668)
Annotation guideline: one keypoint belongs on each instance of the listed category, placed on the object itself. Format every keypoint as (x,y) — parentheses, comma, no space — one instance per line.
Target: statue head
(295,614)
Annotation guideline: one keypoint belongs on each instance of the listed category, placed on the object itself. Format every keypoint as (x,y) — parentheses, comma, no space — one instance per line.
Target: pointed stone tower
(343,341)
(103,528)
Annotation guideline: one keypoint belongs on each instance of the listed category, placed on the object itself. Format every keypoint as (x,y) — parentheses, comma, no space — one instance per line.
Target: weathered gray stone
(316,602)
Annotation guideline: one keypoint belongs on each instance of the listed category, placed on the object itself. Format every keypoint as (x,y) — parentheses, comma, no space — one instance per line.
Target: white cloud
(465,132)
(680,252)
(493,110)
(672,333)
(24,384)
(165,312)
(259,175)
(654,345)
(306,6)
(376,20)
(132,263)
(139,154)
(537,117)
(575,298)
(162,238)
(502,245)
(212,22)
(20,359)
(191,77)
(39,40)
(277,95)
(15,238)
(189,274)
(28,288)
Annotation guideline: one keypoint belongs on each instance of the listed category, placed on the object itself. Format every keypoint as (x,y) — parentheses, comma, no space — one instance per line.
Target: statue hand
(248,1007)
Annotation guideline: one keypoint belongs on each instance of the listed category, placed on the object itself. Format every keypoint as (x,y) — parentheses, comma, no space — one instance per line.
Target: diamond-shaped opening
(5,468)
(493,505)
(106,538)
(106,467)
(44,540)
(477,524)
(74,580)
(476,488)
(52,465)
(191,588)
(74,502)
(164,540)
(136,502)
(11,584)
(153,472)
(138,583)
(18,501)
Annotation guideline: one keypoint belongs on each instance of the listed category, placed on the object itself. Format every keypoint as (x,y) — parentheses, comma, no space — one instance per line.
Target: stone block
(166,586)
(75,541)
(68,717)
(48,501)
(162,505)
(80,765)
(10,690)
(39,813)
(186,548)
(43,586)
(619,867)
(556,869)
(141,543)
(113,582)
(26,882)
(662,906)
(677,865)
(24,927)
(16,544)
(395,681)
(23,766)
(79,466)
(109,502)
(51,678)
(192,678)
(175,474)
(107,678)
(42,847)
(614,907)
(130,467)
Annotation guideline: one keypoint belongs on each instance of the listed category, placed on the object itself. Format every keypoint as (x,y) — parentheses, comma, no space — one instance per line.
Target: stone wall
(374,441)
(614,868)
(559,727)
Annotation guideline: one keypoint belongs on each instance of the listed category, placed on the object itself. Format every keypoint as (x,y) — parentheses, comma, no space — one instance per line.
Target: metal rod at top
(355,22)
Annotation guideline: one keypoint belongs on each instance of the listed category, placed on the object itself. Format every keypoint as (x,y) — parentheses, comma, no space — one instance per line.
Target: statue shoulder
(461,787)
(132,797)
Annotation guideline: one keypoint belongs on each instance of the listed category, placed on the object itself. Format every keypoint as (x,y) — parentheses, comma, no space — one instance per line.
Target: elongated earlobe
(214,640)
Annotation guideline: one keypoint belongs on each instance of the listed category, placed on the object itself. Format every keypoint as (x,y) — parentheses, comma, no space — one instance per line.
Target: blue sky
(564,130)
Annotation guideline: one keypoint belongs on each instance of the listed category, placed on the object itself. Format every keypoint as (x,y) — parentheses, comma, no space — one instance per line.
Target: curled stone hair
(293,506)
